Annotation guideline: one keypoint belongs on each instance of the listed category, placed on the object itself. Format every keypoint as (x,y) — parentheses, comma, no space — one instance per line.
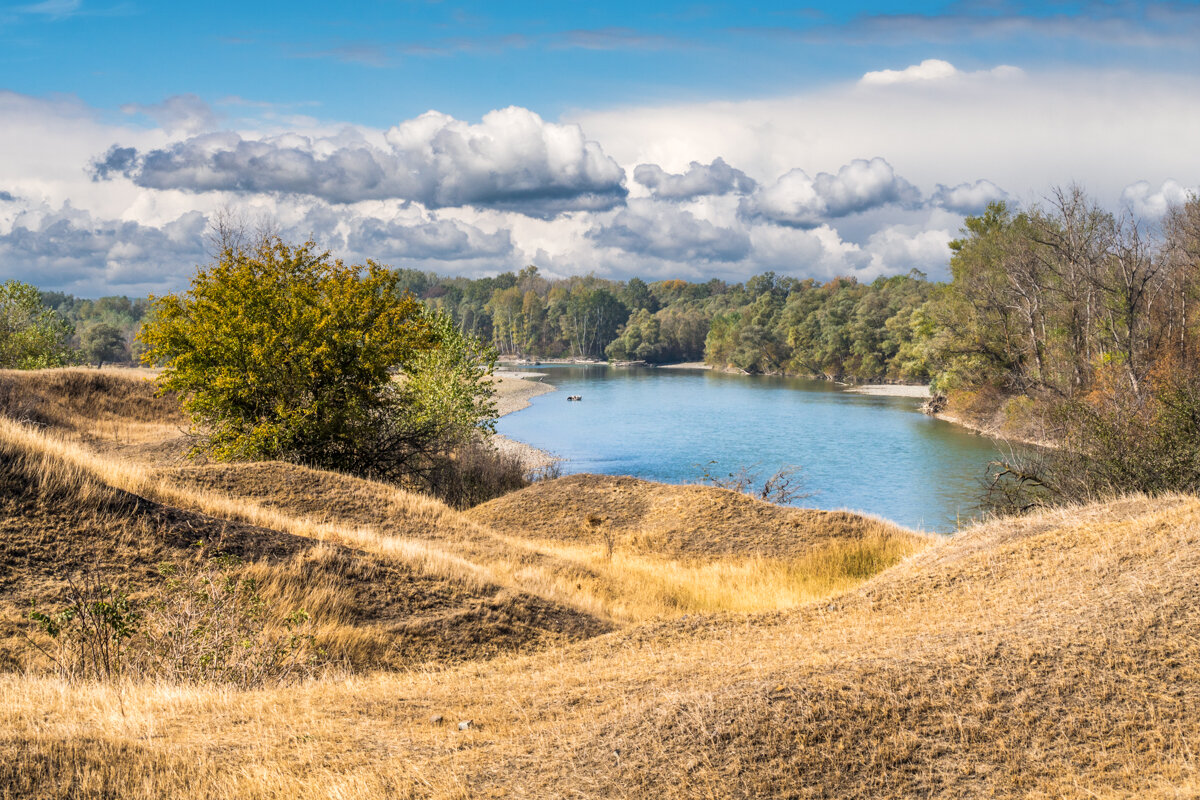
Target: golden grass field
(606,637)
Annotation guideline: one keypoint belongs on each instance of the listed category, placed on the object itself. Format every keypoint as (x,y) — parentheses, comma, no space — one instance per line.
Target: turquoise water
(875,454)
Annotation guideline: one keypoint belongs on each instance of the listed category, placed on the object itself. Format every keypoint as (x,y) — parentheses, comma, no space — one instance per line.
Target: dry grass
(396,602)
(637,586)
(684,521)
(1049,656)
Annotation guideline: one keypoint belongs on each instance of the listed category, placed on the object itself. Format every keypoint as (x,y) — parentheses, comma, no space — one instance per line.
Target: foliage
(208,624)
(282,352)
(448,383)
(103,342)
(676,333)
(1112,441)
(475,473)
(91,636)
(32,336)
(1041,299)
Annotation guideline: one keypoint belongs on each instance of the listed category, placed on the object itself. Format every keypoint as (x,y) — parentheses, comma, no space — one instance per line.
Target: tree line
(841,329)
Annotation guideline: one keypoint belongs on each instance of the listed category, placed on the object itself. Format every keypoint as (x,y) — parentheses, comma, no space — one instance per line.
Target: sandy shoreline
(686,365)
(513,392)
(891,390)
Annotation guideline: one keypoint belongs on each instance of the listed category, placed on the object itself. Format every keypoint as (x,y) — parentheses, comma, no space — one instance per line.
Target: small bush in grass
(209,625)
(91,636)
(783,487)
(475,473)
(203,623)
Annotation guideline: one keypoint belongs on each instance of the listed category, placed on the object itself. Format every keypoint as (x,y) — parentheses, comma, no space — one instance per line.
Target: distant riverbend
(864,452)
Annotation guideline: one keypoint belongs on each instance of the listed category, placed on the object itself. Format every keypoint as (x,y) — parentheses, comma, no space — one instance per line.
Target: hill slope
(58,521)
(680,520)
(1056,655)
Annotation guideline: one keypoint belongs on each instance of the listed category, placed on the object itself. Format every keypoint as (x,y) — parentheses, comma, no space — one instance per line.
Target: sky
(658,139)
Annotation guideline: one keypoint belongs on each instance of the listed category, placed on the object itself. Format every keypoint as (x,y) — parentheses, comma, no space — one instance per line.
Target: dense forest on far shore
(840,329)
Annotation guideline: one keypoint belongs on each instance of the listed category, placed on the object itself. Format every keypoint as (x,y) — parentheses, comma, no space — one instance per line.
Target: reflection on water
(873,454)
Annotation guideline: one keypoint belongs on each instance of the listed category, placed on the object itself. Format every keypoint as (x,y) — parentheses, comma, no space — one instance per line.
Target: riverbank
(686,365)
(514,390)
(891,390)
(996,429)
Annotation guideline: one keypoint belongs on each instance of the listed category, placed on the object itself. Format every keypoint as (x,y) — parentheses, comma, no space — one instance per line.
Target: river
(875,454)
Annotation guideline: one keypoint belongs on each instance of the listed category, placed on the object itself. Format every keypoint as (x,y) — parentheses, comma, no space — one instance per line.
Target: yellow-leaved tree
(282,352)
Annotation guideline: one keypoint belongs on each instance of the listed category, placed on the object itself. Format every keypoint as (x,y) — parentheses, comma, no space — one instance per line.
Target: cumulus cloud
(899,248)
(799,200)
(512,159)
(74,250)
(967,198)
(931,69)
(1145,201)
(818,252)
(699,179)
(436,239)
(68,248)
(183,114)
(1037,131)
(669,232)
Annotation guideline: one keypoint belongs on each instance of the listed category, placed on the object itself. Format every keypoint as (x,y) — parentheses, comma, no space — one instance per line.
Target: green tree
(282,352)
(32,336)
(103,342)
(592,318)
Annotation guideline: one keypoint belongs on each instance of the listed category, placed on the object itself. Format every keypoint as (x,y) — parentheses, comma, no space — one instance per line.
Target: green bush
(281,352)
(32,336)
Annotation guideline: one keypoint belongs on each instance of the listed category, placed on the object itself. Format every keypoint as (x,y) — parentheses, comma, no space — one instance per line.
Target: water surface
(860,452)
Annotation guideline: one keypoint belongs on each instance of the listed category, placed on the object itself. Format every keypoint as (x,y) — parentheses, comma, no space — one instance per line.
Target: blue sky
(368,62)
(127,124)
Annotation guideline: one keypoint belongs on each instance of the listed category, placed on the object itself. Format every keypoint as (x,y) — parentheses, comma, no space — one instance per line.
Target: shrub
(91,636)
(281,352)
(782,487)
(476,473)
(1117,439)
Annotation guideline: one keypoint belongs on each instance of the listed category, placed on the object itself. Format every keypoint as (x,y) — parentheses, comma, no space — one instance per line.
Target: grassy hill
(605,637)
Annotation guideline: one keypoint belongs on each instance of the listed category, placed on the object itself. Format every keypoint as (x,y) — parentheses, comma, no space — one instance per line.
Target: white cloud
(1145,201)
(512,159)
(666,231)
(816,252)
(391,241)
(902,248)
(1028,131)
(931,69)
(183,114)
(68,248)
(699,179)
(968,198)
(796,199)
(460,198)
